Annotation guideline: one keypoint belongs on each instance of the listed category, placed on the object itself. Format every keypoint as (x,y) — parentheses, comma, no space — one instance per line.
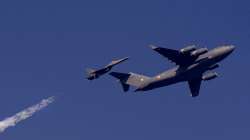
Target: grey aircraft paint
(193,65)
(94,74)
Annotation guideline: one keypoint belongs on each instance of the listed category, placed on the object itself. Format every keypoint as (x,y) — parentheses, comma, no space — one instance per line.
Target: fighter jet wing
(115,62)
(173,55)
(194,86)
(94,74)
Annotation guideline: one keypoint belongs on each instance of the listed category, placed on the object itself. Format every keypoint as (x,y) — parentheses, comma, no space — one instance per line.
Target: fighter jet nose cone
(231,48)
(153,47)
(126,58)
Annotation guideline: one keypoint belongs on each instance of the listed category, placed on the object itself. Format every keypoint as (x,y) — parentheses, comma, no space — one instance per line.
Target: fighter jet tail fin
(130,79)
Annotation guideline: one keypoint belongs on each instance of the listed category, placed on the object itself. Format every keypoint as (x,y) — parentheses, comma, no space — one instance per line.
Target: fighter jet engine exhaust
(25,114)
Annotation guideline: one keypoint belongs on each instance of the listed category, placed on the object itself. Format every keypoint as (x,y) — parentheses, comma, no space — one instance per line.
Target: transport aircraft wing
(178,57)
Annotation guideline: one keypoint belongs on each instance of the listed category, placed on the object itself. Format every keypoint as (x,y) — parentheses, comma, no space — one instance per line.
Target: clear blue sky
(45,47)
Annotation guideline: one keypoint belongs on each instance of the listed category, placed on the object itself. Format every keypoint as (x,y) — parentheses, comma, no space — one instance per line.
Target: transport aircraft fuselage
(205,62)
(193,66)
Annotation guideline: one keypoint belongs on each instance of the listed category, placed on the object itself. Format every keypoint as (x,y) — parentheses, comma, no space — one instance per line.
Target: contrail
(28,112)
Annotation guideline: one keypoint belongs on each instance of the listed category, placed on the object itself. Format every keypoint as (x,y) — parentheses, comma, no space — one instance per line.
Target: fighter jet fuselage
(94,74)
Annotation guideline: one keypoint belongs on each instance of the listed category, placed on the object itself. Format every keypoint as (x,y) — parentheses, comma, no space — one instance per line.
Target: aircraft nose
(224,51)
(230,48)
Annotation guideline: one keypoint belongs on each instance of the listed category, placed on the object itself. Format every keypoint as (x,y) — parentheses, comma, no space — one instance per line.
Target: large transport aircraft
(193,66)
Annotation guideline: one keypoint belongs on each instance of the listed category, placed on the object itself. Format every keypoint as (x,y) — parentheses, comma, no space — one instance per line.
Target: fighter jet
(94,74)
(193,66)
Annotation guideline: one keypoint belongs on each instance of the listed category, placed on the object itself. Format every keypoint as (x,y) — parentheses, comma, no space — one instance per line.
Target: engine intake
(188,49)
(209,76)
(199,52)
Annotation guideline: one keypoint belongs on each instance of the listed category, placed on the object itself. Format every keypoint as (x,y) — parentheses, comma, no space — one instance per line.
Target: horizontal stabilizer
(123,77)
(130,79)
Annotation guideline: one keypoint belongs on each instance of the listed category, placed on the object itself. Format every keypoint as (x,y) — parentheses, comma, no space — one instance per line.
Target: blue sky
(45,47)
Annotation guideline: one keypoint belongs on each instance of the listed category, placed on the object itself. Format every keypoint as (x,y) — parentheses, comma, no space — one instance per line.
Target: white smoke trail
(28,112)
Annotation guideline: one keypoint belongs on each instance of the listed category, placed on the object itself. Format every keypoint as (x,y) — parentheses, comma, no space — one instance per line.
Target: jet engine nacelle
(209,76)
(199,52)
(188,49)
